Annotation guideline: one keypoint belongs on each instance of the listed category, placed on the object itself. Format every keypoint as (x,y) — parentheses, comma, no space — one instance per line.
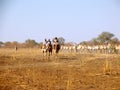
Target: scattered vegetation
(28,69)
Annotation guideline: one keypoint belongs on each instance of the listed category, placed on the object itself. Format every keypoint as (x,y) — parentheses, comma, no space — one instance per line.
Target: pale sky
(74,20)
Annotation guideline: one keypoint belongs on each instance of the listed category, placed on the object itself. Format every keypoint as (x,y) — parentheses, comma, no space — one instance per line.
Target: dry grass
(28,69)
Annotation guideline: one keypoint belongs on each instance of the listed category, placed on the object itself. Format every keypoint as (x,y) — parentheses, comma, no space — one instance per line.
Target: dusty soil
(30,70)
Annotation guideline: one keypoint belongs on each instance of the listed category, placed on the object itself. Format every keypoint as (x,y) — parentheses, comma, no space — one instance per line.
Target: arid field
(28,69)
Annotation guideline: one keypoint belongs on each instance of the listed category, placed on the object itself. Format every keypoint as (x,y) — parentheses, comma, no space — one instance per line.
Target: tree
(15,43)
(61,40)
(30,43)
(114,41)
(8,44)
(84,43)
(1,43)
(105,37)
(94,41)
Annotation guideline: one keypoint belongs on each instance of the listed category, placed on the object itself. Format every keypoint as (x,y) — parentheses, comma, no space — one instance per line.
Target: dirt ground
(28,69)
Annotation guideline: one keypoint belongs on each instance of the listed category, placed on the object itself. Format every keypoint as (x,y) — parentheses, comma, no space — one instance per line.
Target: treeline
(102,39)
(29,43)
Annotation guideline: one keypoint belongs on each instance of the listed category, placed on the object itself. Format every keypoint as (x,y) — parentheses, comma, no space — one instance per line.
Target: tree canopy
(105,37)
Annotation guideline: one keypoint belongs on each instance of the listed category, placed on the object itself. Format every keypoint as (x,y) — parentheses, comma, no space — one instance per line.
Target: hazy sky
(74,20)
